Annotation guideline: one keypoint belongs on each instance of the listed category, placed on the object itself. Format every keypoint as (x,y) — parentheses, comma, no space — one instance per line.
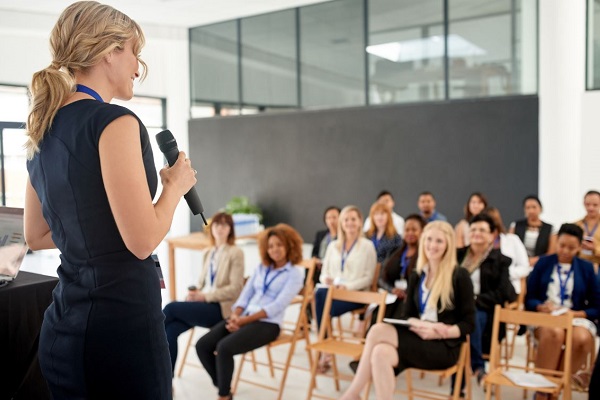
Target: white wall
(24,48)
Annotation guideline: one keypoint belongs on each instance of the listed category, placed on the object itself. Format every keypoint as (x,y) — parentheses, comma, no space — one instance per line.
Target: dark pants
(226,345)
(181,316)
(337,307)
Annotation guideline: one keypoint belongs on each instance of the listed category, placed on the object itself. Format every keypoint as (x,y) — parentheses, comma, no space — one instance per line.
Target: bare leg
(549,347)
(379,334)
(582,346)
(383,360)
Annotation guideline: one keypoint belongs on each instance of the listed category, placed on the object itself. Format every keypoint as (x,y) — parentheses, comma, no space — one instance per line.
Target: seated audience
(590,247)
(426,204)
(558,281)
(535,234)
(387,199)
(396,269)
(489,271)
(476,203)
(441,313)
(349,263)
(511,246)
(382,232)
(323,238)
(221,281)
(258,312)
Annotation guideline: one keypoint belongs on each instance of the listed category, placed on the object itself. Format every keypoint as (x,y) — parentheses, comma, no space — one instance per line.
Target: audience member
(489,273)
(220,284)
(441,313)
(349,263)
(590,247)
(387,199)
(427,204)
(382,232)
(258,312)
(324,237)
(535,234)
(564,281)
(511,246)
(477,203)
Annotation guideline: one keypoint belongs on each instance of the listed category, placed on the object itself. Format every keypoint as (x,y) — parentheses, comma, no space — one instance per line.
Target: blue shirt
(282,285)
(436,216)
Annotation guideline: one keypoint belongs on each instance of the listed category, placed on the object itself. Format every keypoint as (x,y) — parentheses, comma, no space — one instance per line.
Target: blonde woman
(382,232)
(220,284)
(440,311)
(90,189)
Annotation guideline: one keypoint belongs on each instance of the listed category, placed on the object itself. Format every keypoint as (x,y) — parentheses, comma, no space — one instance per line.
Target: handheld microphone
(168,146)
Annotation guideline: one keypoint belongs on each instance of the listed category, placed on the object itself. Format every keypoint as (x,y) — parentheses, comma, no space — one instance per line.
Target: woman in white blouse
(349,263)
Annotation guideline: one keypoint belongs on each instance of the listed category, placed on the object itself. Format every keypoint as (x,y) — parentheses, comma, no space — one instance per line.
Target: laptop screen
(12,242)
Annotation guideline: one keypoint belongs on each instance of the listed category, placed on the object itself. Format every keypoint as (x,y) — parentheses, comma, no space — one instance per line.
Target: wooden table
(193,241)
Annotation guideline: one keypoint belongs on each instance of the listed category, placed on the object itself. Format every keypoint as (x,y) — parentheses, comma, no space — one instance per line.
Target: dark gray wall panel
(295,164)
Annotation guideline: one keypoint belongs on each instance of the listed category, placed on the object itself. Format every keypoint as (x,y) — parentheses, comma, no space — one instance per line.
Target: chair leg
(185,353)
(286,368)
(238,374)
(253,358)
(409,388)
(336,373)
(313,377)
(271,370)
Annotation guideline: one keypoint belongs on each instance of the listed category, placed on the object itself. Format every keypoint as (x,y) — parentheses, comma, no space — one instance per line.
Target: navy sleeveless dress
(103,336)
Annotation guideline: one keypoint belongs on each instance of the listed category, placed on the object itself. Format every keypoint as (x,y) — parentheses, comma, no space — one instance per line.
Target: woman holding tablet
(440,311)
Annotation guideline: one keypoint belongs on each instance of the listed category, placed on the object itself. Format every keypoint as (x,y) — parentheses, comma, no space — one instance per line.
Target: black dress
(103,336)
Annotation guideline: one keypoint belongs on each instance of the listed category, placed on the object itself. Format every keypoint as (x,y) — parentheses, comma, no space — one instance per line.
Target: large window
(354,52)
(593,45)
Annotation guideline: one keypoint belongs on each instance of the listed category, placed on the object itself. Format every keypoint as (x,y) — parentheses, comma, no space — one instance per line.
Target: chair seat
(444,373)
(497,378)
(333,346)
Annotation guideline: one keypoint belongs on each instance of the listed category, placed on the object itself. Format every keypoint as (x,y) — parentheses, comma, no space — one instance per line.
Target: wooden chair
(512,330)
(562,379)
(364,311)
(462,368)
(290,334)
(339,344)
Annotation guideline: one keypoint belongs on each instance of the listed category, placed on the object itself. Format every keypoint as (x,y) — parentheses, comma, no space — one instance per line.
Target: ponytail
(50,88)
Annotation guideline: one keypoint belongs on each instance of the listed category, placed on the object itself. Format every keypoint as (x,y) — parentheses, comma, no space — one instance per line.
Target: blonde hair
(341,235)
(85,32)
(441,288)
(390,230)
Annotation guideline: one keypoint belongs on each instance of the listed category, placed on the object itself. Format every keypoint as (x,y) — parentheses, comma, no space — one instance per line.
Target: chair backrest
(353,296)
(537,319)
(304,296)
(374,284)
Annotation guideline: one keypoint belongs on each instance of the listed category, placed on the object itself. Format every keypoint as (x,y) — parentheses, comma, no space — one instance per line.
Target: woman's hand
(425,329)
(180,177)
(546,307)
(329,280)
(195,295)
(400,294)
(233,323)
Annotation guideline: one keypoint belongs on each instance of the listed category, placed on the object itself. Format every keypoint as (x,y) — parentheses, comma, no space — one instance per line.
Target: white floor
(195,384)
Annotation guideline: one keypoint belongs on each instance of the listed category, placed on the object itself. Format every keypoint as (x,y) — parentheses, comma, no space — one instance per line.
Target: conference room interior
(300,104)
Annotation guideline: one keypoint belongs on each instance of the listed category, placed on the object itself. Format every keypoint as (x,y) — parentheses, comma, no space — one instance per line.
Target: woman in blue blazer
(563,280)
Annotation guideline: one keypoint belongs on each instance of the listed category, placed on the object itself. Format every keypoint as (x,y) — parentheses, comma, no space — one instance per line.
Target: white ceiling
(181,13)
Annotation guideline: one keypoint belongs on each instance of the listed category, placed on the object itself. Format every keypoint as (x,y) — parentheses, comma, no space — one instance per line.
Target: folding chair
(496,377)
(339,344)
(290,333)
(519,304)
(461,368)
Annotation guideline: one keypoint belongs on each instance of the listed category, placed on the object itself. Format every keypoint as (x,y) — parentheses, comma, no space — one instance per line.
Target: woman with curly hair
(257,314)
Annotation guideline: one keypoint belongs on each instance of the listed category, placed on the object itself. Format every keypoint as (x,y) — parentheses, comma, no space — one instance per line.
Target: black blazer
(391,268)
(543,240)
(317,243)
(495,280)
(463,312)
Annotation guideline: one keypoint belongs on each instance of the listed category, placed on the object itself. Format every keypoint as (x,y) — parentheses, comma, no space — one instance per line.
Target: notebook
(12,243)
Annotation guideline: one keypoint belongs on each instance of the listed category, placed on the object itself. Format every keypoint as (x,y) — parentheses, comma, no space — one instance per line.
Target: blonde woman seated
(382,232)
(258,312)
(440,309)
(349,263)
(220,284)
(563,280)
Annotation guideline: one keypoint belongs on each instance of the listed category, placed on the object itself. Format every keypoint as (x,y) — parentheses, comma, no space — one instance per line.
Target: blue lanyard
(376,241)
(422,303)
(328,238)
(345,253)
(90,91)
(563,284)
(267,284)
(587,231)
(404,262)
(213,273)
